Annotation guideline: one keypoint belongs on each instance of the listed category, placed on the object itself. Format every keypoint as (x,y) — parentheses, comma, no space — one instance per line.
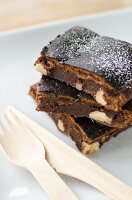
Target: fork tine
(11,117)
(13,112)
(3,130)
(23,120)
(8,121)
(7,118)
(14,123)
(18,116)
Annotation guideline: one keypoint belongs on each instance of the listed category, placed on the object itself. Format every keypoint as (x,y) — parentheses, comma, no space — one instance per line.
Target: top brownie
(99,65)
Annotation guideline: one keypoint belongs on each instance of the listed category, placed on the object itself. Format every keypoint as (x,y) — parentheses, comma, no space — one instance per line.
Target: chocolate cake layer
(88,135)
(97,65)
(57,97)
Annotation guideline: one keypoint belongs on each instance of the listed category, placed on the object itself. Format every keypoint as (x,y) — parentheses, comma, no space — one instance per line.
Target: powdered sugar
(108,57)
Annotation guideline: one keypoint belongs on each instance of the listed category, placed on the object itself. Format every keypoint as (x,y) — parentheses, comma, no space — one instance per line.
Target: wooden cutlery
(24,149)
(69,162)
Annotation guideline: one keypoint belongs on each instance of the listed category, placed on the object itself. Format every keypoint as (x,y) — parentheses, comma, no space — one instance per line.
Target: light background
(20,13)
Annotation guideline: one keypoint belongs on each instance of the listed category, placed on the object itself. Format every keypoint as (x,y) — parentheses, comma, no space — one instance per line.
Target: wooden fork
(69,162)
(24,149)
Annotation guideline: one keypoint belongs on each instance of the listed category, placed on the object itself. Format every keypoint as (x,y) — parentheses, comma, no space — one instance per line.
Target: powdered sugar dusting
(108,57)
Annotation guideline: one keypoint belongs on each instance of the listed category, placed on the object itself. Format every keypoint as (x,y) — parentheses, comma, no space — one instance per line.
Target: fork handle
(51,182)
(89,172)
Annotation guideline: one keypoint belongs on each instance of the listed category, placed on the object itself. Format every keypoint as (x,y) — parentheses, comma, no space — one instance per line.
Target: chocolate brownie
(57,97)
(95,64)
(89,136)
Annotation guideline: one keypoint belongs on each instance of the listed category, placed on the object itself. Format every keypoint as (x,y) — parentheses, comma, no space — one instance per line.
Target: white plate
(18,51)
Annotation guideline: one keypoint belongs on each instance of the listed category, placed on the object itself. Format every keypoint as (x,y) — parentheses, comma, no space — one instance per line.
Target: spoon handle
(51,182)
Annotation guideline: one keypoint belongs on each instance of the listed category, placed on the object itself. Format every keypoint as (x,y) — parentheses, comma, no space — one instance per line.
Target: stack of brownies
(86,86)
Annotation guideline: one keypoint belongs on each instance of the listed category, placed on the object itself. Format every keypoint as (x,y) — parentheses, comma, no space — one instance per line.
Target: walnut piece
(39,67)
(100,98)
(79,86)
(100,116)
(90,148)
(61,125)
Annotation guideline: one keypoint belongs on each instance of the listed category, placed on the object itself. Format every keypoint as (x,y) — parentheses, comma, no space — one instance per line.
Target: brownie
(95,64)
(57,97)
(88,135)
